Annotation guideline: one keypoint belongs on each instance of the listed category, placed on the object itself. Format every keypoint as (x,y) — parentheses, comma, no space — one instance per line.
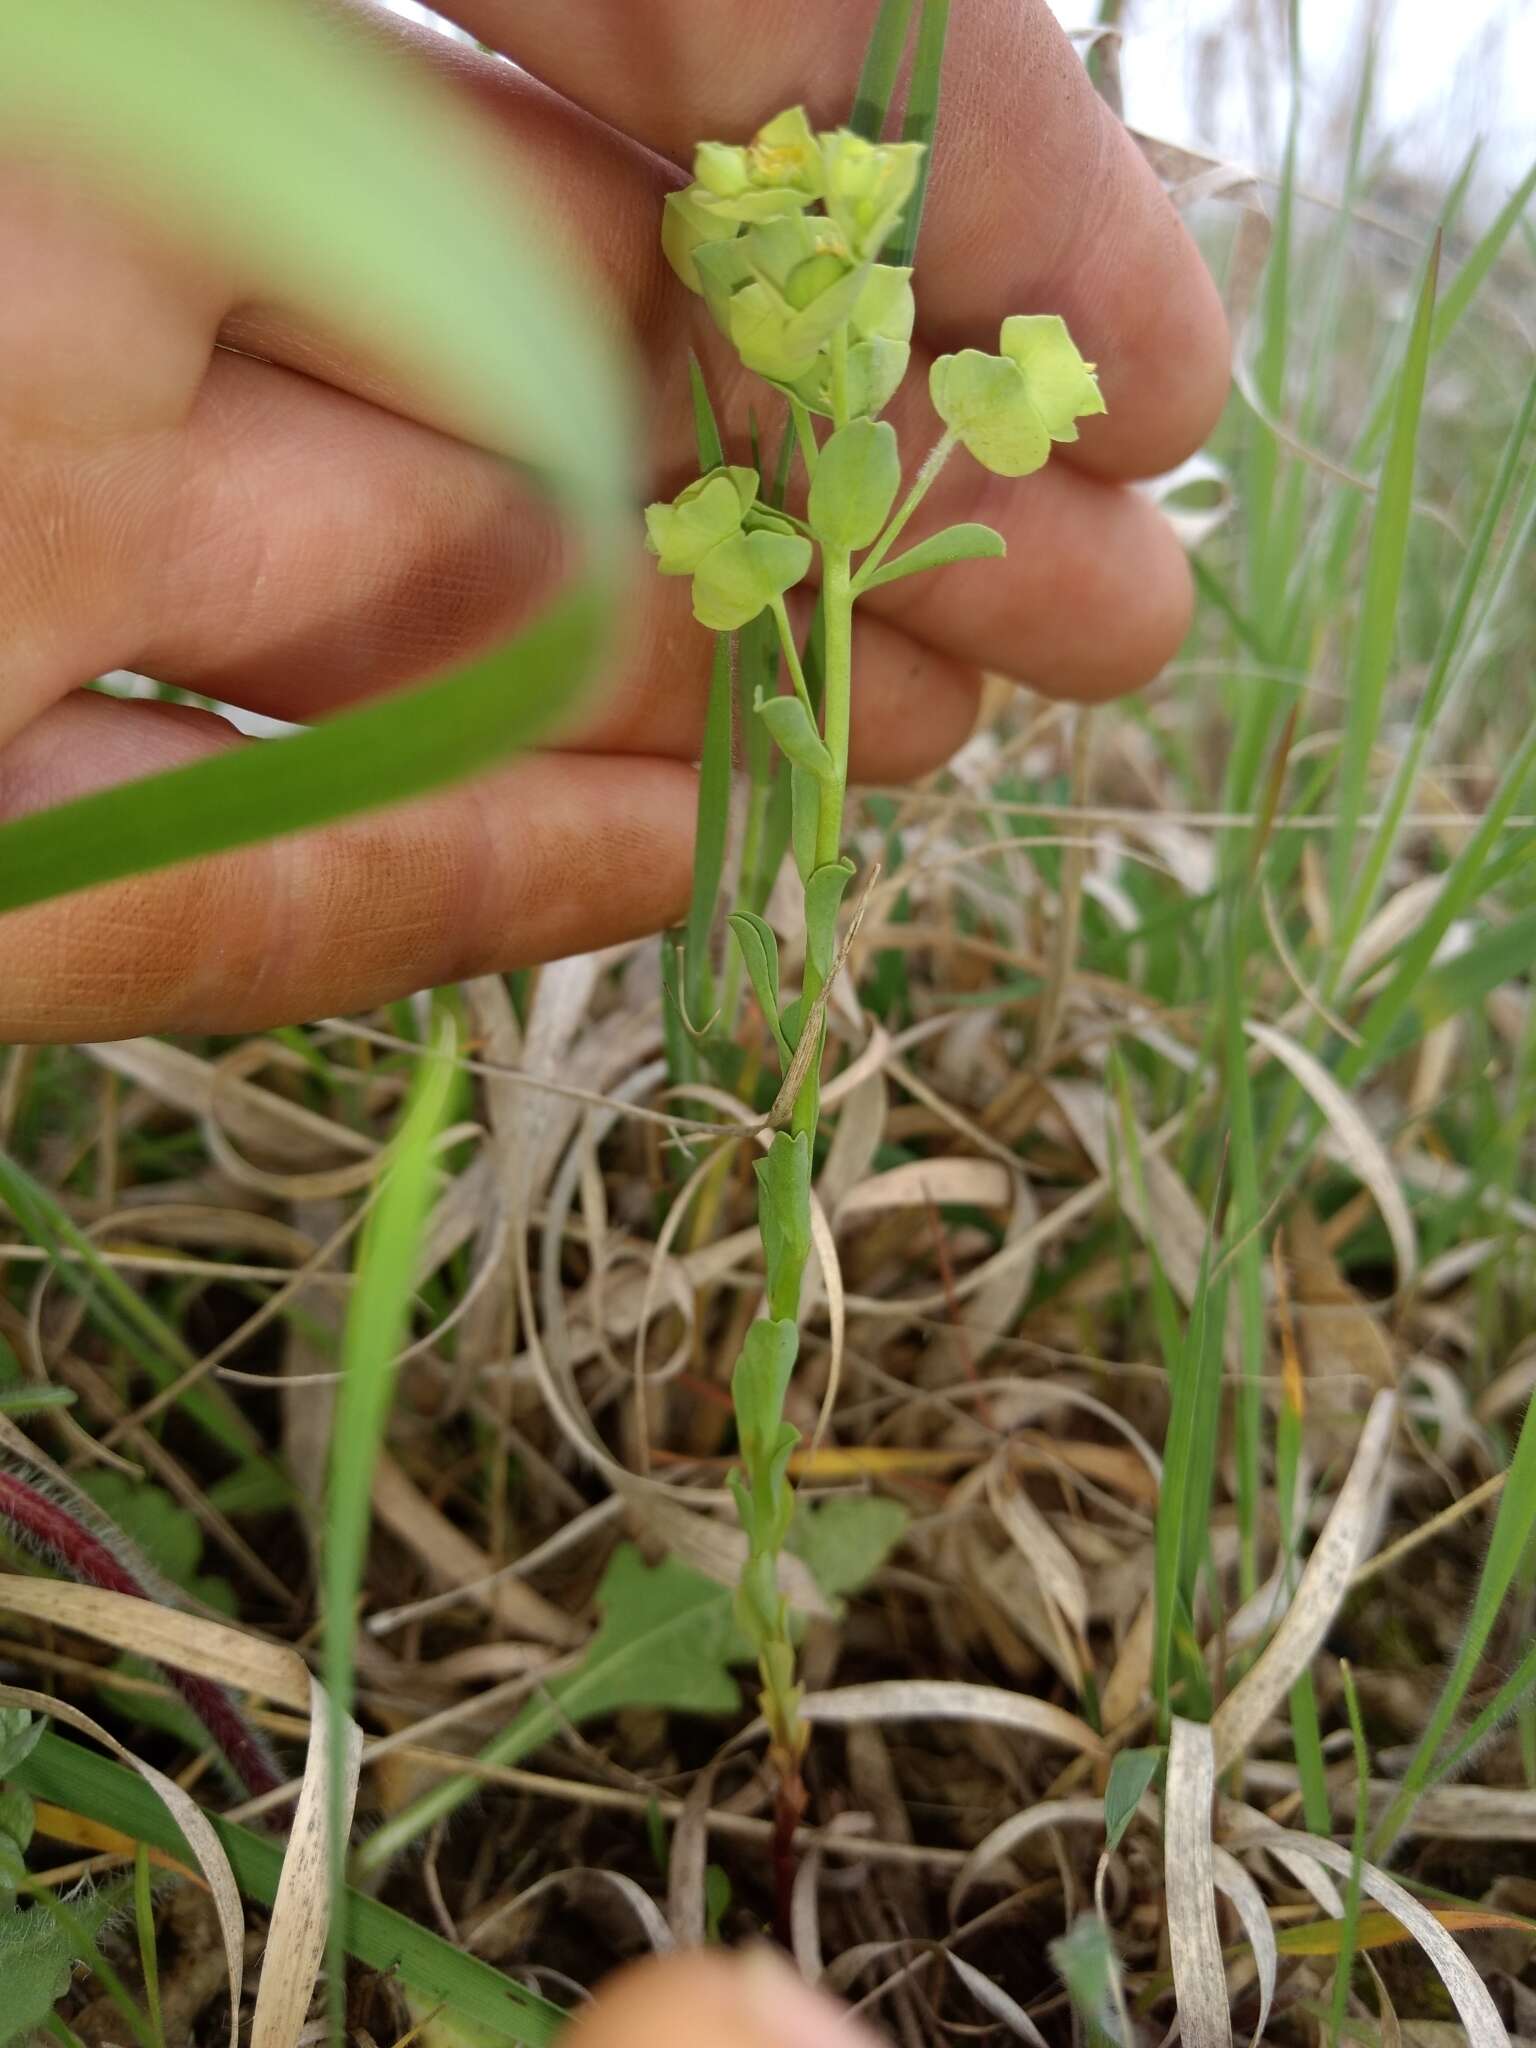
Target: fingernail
(787,2012)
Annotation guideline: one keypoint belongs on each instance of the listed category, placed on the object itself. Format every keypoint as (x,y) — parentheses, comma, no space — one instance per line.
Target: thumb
(714,2001)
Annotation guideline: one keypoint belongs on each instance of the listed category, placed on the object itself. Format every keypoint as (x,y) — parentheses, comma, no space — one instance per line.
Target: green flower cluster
(781,280)
(1007,409)
(740,555)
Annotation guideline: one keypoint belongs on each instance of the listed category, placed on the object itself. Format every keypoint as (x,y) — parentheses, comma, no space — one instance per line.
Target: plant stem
(792,654)
(922,483)
(837,697)
(805,435)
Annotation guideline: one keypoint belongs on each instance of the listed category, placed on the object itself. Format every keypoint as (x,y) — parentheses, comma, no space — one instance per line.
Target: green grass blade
(706,427)
(1237,942)
(1464,286)
(1376,633)
(712,826)
(1514,1530)
(1460,890)
(377,1317)
(922,118)
(882,65)
(400,747)
(80,1781)
(1443,668)
(1270,365)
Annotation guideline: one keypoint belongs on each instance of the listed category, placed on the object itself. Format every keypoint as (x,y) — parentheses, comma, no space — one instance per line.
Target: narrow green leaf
(882,63)
(1376,634)
(1514,1531)
(1463,287)
(69,1775)
(377,1316)
(921,119)
(711,832)
(784,1218)
(1130,1777)
(759,1384)
(705,426)
(119,1309)
(760,955)
(823,897)
(792,726)
(967,542)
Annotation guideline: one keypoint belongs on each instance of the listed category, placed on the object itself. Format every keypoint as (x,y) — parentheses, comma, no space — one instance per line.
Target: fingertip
(714,2001)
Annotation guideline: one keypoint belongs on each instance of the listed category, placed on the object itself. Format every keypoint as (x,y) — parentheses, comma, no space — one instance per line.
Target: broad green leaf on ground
(845,1541)
(667,1639)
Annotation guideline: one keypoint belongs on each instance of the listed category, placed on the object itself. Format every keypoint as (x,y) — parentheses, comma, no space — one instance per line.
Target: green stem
(840,376)
(792,654)
(922,483)
(837,696)
(805,435)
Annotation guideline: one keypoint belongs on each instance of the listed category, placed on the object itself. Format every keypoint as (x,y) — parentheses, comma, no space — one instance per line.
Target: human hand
(198,484)
(714,2001)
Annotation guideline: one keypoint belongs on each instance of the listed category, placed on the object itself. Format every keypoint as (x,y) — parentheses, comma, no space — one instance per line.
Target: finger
(311,550)
(710,2002)
(1040,201)
(557,855)
(1095,596)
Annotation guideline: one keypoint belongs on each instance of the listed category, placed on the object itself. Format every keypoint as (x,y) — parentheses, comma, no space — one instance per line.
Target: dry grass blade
(189,1817)
(297,1935)
(1359,1147)
(1318,1597)
(1468,1993)
(982,1183)
(301,1911)
(1189,1889)
(1010,1834)
(994,1999)
(1047,1557)
(1234,1883)
(941,1699)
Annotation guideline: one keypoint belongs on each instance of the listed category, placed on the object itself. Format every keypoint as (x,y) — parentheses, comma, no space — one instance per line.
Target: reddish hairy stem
(790,1803)
(83,1554)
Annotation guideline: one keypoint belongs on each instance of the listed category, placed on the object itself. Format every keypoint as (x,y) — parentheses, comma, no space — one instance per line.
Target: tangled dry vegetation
(984,1358)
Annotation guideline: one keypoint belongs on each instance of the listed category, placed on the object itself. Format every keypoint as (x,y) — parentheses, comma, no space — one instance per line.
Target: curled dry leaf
(188,1816)
(979,1183)
(648,1915)
(1234,1883)
(1356,1144)
(212,1649)
(1055,1569)
(939,1699)
(1470,1996)
(1318,1597)
(1012,1833)
(994,1999)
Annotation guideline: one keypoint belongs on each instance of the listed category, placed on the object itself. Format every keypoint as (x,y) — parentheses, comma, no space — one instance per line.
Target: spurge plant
(782,238)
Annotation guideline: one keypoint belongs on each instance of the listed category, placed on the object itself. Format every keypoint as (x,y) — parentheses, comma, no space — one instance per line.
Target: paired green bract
(1007,409)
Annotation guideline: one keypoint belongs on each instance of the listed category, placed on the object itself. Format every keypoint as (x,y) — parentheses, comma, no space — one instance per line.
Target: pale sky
(1446,74)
